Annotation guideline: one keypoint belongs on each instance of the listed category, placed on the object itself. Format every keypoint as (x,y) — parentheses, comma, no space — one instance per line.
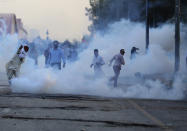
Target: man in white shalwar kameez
(97,63)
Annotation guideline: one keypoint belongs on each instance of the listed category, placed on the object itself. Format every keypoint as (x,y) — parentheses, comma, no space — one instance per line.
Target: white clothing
(98,62)
(118,60)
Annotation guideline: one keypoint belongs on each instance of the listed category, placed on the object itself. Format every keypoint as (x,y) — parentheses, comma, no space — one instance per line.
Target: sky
(65,19)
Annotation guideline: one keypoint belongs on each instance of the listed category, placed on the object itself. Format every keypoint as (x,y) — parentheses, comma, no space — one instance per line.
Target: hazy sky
(63,18)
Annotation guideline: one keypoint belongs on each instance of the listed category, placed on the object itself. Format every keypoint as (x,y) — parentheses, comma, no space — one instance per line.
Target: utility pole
(47,34)
(147,25)
(177,35)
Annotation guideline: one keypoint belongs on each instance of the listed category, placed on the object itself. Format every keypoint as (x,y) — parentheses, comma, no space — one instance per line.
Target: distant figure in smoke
(97,62)
(14,65)
(186,59)
(119,60)
(46,54)
(134,52)
(33,53)
(56,56)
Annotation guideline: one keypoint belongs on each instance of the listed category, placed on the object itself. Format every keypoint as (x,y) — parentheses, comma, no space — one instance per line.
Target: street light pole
(177,35)
(47,34)
(147,25)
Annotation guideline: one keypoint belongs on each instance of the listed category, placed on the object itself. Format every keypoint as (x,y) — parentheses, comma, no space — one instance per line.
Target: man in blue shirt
(56,56)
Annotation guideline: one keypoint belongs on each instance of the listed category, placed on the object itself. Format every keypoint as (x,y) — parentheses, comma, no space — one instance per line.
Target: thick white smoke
(8,45)
(77,78)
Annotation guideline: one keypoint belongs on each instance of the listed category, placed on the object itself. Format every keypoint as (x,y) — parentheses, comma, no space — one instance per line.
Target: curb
(5,90)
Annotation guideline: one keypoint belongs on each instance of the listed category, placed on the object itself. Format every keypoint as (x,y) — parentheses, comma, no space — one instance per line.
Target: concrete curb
(5,90)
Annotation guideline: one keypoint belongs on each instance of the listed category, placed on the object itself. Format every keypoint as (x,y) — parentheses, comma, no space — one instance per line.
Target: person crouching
(14,65)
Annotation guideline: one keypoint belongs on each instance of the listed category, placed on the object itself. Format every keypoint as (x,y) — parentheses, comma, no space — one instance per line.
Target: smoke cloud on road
(155,69)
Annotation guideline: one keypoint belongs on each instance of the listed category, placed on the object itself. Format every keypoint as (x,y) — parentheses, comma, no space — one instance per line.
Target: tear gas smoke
(3,29)
(8,46)
(77,77)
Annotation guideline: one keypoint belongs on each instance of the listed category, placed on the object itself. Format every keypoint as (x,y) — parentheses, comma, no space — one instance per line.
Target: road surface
(44,112)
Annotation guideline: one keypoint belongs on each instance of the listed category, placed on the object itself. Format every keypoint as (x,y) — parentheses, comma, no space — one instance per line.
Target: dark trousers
(46,60)
(56,65)
(116,74)
(11,73)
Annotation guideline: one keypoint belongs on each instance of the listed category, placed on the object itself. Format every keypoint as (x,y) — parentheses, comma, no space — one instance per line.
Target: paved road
(21,112)
(39,112)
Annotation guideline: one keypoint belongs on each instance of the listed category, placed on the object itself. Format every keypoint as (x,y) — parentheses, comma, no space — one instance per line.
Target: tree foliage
(104,12)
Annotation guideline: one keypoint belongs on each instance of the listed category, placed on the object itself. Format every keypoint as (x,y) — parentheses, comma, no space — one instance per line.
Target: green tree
(104,12)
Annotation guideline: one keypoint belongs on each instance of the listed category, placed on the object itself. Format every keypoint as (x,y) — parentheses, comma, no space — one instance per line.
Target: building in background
(9,24)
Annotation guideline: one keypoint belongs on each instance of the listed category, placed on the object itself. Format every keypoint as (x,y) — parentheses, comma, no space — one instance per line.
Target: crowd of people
(40,47)
(118,60)
(53,51)
(56,54)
